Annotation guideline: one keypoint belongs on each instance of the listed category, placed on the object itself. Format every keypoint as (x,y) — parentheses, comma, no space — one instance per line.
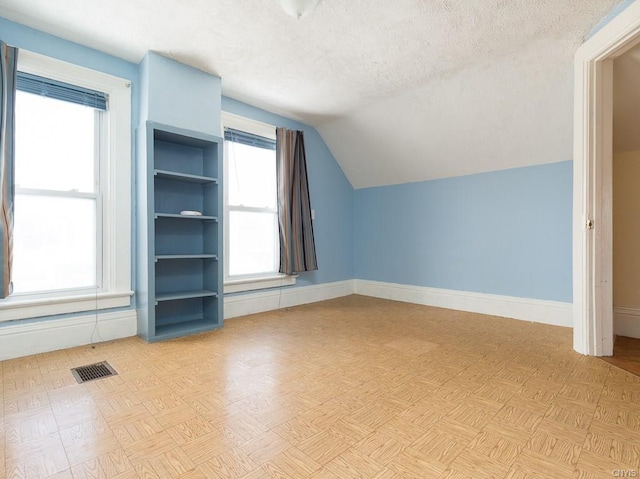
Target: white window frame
(257,281)
(115,208)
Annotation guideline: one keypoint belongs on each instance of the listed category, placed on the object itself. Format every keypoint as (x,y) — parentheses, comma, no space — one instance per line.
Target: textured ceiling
(402,90)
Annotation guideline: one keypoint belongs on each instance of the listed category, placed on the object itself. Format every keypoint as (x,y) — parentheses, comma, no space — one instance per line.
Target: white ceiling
(401,90)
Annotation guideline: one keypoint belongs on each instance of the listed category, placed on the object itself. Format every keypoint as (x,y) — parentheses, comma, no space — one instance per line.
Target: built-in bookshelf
(179,287)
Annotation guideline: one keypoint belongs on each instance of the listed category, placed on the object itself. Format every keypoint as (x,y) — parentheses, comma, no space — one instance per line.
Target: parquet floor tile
(264,447)
(231,464)
(381,447)
(193,474)
(39,459)
(473,464)
(437,447)
(155,444)
(496,447)
(348,388)
(115,463)
(138,428)
(354,464)
(613,448)
(173,463)
(290,463)
(350,430)
(411,464)
(66,474)
(324,446)
(204,447)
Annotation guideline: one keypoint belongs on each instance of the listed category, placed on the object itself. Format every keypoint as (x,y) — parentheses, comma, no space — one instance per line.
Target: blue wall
(331,192)
(35,41)
(505,232)
(179,95)
(615,11)
(331,198)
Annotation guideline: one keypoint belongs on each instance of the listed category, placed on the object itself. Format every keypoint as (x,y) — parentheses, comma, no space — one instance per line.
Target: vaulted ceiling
(401,90)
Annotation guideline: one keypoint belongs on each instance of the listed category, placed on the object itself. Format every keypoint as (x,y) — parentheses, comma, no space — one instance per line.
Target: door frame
(593,331)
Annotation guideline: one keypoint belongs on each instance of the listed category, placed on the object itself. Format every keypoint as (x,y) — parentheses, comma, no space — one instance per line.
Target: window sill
(23,307)
(253,283)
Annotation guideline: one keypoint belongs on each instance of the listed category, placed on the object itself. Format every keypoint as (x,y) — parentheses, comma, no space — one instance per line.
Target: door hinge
(589,224)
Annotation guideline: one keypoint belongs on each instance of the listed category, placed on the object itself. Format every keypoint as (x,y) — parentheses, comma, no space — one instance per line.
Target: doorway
(593,182)
(626,211)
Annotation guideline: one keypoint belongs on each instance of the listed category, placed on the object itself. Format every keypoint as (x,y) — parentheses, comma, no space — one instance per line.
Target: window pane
(54,243)
(252,176)
(54,144)
(252,243)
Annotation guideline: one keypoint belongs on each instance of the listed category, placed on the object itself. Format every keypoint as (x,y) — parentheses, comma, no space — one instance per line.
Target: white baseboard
(250,303)
(32,337)
(627,322)
(24,338)
(538,311)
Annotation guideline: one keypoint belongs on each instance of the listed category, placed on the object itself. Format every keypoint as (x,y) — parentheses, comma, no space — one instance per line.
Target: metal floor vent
(92,372)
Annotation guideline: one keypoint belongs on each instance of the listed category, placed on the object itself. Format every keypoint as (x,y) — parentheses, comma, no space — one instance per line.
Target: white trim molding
(24,338)
(272,279)
(253,283)
(250,125)
(115,239)
(24,307)
(627,322)
(534,310)
(250,303)
(592,185)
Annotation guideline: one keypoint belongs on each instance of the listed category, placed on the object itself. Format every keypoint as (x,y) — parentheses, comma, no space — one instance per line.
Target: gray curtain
(8,71)
(297,246)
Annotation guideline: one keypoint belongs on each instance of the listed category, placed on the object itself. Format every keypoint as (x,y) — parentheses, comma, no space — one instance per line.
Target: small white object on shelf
(190,213)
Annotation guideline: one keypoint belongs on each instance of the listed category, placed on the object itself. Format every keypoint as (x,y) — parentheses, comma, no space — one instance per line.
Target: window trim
(116,207)
(257,281)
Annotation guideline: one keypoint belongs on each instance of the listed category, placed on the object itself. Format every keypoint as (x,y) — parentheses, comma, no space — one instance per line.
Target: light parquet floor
(349,388)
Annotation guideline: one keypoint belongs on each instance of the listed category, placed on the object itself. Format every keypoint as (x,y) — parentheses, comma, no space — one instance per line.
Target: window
(251,200)
(57,192)
(72,232)
(252,246)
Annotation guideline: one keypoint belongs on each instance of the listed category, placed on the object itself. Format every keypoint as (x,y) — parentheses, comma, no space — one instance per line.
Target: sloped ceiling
(402,90)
